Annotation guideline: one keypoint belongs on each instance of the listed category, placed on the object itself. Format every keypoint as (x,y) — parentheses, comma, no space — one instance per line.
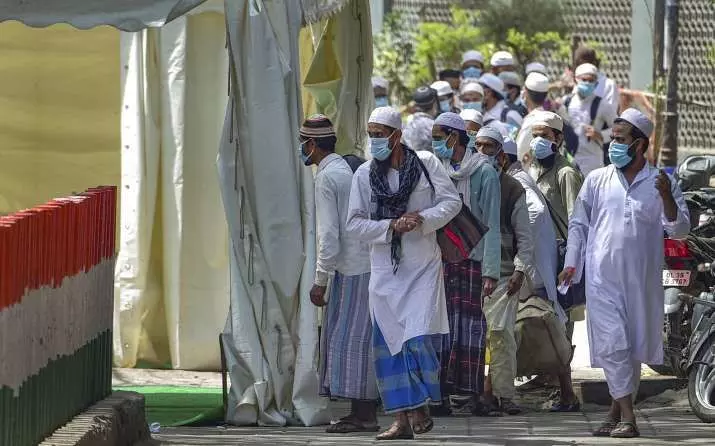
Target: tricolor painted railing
(56,303)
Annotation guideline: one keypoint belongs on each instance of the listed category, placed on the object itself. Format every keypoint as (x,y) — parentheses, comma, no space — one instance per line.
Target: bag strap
(556,216)
(567,100)
(594,108)
(425,172)
(505,111)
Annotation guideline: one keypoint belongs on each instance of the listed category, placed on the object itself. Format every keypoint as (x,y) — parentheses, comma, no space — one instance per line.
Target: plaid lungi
(346,366)
(463,354)
(409,379)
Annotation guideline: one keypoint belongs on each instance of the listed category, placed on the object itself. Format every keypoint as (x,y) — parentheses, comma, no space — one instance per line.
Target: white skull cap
(637,120)
(537,82)
(472,55)
(535,67)
(442,88)
(387,116)
(510,78)
(502,59)
(472,86)
(381,82)
(509,146)
(492,82)
(549,119)
(472,116)
(586,68)
(491,133)
(451,120)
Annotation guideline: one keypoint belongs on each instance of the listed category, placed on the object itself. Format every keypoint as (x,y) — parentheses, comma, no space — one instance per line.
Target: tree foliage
(409,57)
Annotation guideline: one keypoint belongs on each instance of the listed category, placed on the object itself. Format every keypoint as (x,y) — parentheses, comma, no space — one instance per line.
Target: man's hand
(592,134)
(566,276)
(662,183)
(408,222)
(515,282)
(488,286)
(317,295)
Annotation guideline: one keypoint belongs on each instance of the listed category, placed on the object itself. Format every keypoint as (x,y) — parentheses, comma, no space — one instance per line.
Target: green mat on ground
(180,405)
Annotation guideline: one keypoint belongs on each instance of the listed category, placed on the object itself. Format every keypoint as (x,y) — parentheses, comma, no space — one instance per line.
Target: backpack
(353,161)
(571,140)
(543,347)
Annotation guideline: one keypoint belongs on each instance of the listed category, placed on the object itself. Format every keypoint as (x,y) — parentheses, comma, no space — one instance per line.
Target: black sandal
(605,429)
(424,426)
(351,425)
(625,429)
(397,432)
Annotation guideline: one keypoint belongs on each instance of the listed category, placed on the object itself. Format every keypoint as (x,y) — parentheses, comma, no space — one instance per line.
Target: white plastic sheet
(172,274)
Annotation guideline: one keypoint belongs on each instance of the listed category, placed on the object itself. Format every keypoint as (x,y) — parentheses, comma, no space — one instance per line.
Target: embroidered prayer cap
(535,67)
(549,119)
(472,56)
(586,69)
(510,78)
(424,96)
(386,116)
(442,88)
(492,82)
(317,126)
(451,120)
(380,82)
(509,146)
(471,86)
(491,133)
(502,59)
(472,115)
(537,82)
(638,120)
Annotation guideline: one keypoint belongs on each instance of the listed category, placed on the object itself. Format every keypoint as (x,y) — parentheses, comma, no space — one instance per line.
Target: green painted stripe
(61,390)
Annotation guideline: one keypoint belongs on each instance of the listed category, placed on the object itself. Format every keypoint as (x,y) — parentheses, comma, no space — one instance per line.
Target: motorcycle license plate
(673,277)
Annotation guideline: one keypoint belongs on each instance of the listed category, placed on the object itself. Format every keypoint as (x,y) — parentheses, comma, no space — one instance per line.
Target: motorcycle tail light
(676,248)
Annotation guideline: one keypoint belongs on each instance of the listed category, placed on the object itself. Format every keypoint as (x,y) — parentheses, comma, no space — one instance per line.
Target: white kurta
(543,272)
(412,302)
(617,229)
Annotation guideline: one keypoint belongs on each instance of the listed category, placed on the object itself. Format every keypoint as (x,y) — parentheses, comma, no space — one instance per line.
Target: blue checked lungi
(410,379)
(346,366)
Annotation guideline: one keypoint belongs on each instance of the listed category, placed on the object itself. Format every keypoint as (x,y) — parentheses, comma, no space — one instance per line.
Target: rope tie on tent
(279,345)
(241,214)
(264,305)
(251,267)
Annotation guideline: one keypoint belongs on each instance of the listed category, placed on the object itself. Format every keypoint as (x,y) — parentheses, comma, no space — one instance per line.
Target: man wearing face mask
(472,65)
(445,97)
(512,85)
(606,87)
(346,365)
(591,119)
(398,201)
(495,107)
(536,90)
(471,95)
(616,238)
(502,61)
(517,254)
(473,279)
(418,131)
(380,88)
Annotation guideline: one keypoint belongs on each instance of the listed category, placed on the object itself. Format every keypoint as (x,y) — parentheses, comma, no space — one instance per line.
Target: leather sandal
(397,432)
(605,429)
(625,429)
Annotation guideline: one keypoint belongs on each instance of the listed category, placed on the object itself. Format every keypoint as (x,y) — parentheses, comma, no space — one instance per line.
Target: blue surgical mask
(471,72)
(381,101)
(586,89)
(303,157)
(542,147)
(445,106)
(380,148)
(472,106)
(619,154)
(439,147)
(472,140)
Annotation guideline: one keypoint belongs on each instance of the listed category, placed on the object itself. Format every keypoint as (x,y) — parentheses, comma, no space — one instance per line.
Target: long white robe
(617,229)
(543,271)
(411,302)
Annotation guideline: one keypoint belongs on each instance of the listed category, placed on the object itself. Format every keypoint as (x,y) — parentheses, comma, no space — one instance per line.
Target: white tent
(271,332)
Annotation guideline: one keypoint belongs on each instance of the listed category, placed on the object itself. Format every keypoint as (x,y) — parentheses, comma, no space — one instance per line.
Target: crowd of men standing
(408,329)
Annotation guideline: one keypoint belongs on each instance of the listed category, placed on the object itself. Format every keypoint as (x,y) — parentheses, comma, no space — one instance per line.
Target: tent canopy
(127,15)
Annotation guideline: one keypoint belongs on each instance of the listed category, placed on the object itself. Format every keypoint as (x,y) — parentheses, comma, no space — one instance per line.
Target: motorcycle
(700,366)
(684,277)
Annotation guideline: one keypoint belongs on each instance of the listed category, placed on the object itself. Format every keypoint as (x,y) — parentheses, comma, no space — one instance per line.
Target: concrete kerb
(117,420)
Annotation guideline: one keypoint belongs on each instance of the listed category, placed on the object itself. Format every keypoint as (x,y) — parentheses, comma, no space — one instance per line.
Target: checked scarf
(392,205)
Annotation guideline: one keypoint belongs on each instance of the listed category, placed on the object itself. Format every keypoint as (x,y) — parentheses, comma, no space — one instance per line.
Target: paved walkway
(660,426)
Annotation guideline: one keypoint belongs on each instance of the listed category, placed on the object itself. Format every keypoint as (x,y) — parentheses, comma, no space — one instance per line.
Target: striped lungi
(409,379)
(463,355)
(346,366)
